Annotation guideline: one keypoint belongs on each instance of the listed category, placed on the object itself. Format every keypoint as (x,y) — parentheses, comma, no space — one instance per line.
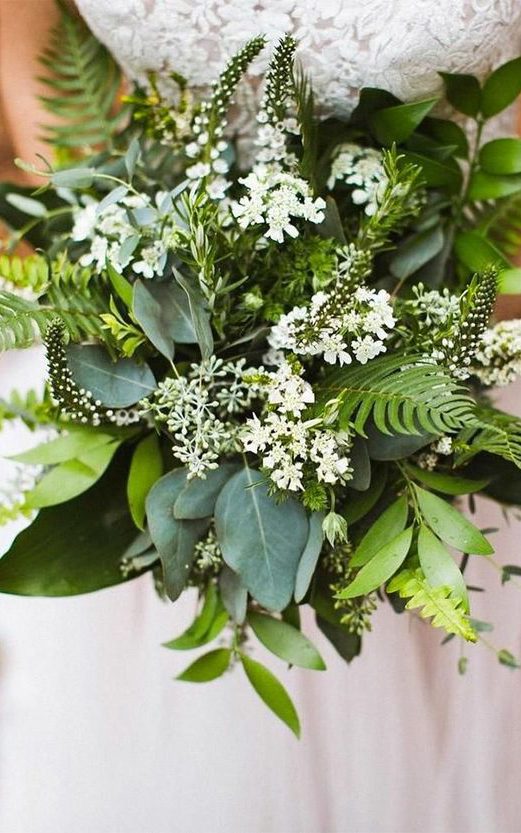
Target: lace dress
(95,737)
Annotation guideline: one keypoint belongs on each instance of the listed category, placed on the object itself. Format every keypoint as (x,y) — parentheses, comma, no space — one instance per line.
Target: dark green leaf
(163,312)
(361,465)
(384,529)
(416,252)
(146,467)
(451,526)
(116,384)
(501,88)
(381,566)
(272,692)
(463,92)
(507,658)
(198,497)
(394,446)
(206,626)
(447,483)
(285,641)
(208,667)
(331,226)
(252,530)
(358,505)
(348,645)
(73,548)
(447,133)
(310,556)
(434,173)
(395,124)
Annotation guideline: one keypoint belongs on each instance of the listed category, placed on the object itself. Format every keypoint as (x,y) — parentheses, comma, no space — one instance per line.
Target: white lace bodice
(396,44)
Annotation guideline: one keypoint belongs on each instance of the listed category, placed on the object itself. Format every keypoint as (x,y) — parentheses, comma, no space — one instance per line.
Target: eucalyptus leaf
(146,467)
(439,566)
(233,594)
(198,497)
(386,527)
(73,178)
(272,692)
(208,667)
(116,384)
(252,530)
(380,568)
(309,558)
(285,641)
(394,446)
(163,312)
(199,313)
(450,525)
(27,204)
(111,198)
(76,547)
(132,156)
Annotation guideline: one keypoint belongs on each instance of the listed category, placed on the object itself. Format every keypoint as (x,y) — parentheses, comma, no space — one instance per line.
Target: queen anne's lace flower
(498,360)
(363,169)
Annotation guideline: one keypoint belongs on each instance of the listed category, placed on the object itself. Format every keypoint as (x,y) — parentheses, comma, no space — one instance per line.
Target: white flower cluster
(22,478)
(214,171)
(498,360)
(276,199)
(197,408)
(287,443)
(432,306)
(113,233)
(363,169)
(337,331)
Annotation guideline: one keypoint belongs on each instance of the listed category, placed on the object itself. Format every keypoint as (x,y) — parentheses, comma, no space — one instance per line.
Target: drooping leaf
(439,567)
(285,641)
(381,566)
(449,484)
(348,645)
(120,285)
(75,547)
(252,530)
(384,529)
(416,252)
(207,625)
(146,467)
(233,594)
(272,692)
(116,384)
(208,667)
(163,313)
(198,497)
(450,524)
(309,558)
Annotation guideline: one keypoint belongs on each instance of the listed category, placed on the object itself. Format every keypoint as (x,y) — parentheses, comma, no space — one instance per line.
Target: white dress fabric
(94,735)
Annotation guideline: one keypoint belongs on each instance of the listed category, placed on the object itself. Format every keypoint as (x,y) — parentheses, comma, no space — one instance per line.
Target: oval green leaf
(208,667)
(380,568)
(285,641)
(309,558)
(501,88)
(501,156)
(463,92)
(198,497)
(439,566)
(272,692)
(395,124)
(385,528)
(146,467)
(163,313)
(447,483)
(234,596)
(451,526)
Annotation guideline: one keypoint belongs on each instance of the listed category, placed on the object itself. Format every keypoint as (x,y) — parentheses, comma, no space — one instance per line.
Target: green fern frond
(494,432)
(21,321)
(436,603)
(402,394)
(83,81)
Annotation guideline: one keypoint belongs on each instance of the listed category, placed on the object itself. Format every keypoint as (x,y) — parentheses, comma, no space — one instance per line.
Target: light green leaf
(380,568)
(385,528)
(485,186)
(163,312)
(272,692)
(120,285)
(463,92)
(309,558)
(450,524)
(233,594)
(72,478)
(146,467)
(509,282)
(252,530)
(501,156)
(200,315)
(116,384)
(477,253)
(198,497)
(447,483)
(285,641)
(501,88)
(395,124)
(439,566)
(208,667)
(79,440)
(206,626)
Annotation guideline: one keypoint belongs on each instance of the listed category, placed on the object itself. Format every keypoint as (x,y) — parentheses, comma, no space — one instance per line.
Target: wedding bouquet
(269,361)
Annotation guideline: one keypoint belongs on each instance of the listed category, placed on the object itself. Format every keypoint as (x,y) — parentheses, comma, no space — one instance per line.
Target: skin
(24,31)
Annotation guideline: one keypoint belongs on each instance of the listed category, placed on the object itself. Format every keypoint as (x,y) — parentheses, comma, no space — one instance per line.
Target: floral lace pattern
(346,44)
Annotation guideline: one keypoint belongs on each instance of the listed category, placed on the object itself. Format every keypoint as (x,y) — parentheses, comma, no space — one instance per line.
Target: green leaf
(507,658)
(206,626)
(163,313)
(395,446)
(73,178)
(132,156)
(174,540)
(358,505)
(385,529)
(434,173)
(77,441)
(120,285)
(347,645)
(198,497)
(309,558)
(395,124)
(200,315)
(439,566)
(252,530)
(76,547)
(361,465)
(485,186)
(285,641)
(463,92)
(448,133)
(501,156)
(380,568)
(146,467)
(116,384)
(447,483)
(509,282)
(27,204)
(501,88)
(272,692)
(208,667)
(233,594)
(416,252)
(72,478)
(450,524)
(477,253)
(331,226)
